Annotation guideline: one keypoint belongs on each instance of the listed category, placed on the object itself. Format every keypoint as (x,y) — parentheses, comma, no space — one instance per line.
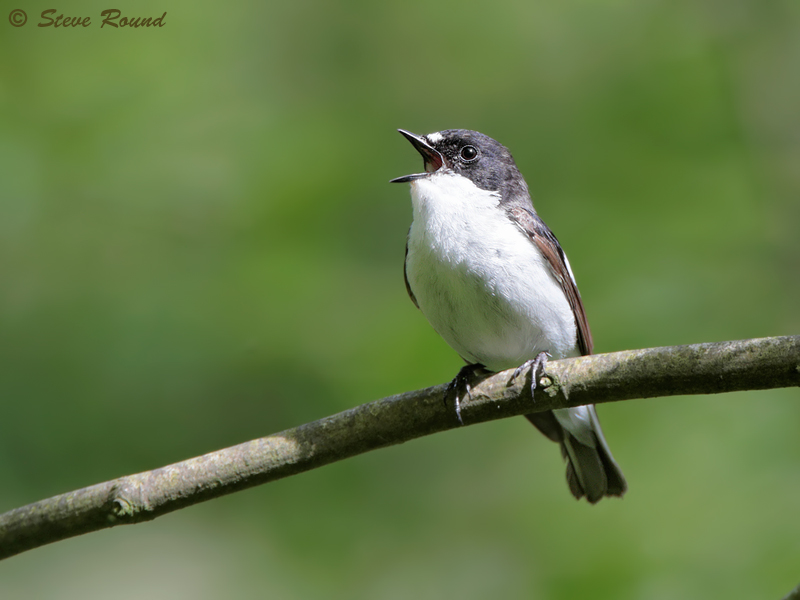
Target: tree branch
(696,369)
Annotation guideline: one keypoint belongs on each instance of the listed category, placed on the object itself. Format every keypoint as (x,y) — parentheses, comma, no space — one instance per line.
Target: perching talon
(537,366)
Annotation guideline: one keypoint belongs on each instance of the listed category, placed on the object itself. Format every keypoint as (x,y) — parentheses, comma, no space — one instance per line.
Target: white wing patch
(569,270)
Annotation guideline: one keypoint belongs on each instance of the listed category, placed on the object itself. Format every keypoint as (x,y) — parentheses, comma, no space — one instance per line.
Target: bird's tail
(591,469)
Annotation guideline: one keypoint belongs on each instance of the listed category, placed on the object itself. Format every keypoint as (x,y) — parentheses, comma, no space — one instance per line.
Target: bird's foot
(461,388)
(537,366)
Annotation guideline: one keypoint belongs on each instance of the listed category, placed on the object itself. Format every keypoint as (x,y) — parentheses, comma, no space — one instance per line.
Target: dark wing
(405,276)
(591,469)
(548,245)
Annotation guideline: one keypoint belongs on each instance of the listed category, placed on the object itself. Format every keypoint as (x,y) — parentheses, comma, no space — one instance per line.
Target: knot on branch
(126,503)
(121,508)
(549,384)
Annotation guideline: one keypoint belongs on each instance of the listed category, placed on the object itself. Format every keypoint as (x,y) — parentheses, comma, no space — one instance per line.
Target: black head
(484,161)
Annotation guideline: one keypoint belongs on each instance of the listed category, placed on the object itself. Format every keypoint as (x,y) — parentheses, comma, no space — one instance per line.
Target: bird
(494,282)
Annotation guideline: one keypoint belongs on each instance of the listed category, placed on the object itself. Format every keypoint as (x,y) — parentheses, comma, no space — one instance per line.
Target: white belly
(480,281)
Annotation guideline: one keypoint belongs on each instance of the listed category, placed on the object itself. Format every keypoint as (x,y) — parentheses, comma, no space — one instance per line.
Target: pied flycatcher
(493,281)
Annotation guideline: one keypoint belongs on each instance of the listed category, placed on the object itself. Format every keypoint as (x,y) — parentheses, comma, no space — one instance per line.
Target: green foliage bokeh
(199,246)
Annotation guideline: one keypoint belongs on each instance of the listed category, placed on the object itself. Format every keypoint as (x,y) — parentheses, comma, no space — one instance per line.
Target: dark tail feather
(591,470)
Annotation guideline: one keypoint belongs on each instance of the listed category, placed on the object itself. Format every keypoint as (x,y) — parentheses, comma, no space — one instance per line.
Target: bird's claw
(537,366)
(461,388)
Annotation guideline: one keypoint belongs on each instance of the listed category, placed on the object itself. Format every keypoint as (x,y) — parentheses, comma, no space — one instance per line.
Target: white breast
(479,280)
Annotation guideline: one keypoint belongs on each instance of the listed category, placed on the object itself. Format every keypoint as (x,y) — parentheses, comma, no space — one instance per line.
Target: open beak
(433,159)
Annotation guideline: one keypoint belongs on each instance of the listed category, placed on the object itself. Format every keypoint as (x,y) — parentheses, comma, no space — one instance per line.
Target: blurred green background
(199,246)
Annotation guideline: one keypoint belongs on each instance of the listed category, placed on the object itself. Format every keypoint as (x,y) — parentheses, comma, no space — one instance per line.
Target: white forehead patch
(434,138)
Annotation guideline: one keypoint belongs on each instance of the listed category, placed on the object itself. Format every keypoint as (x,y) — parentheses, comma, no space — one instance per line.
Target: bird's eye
(469,153)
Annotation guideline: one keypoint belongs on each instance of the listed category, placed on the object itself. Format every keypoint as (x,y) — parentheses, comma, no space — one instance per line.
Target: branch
(696,369)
